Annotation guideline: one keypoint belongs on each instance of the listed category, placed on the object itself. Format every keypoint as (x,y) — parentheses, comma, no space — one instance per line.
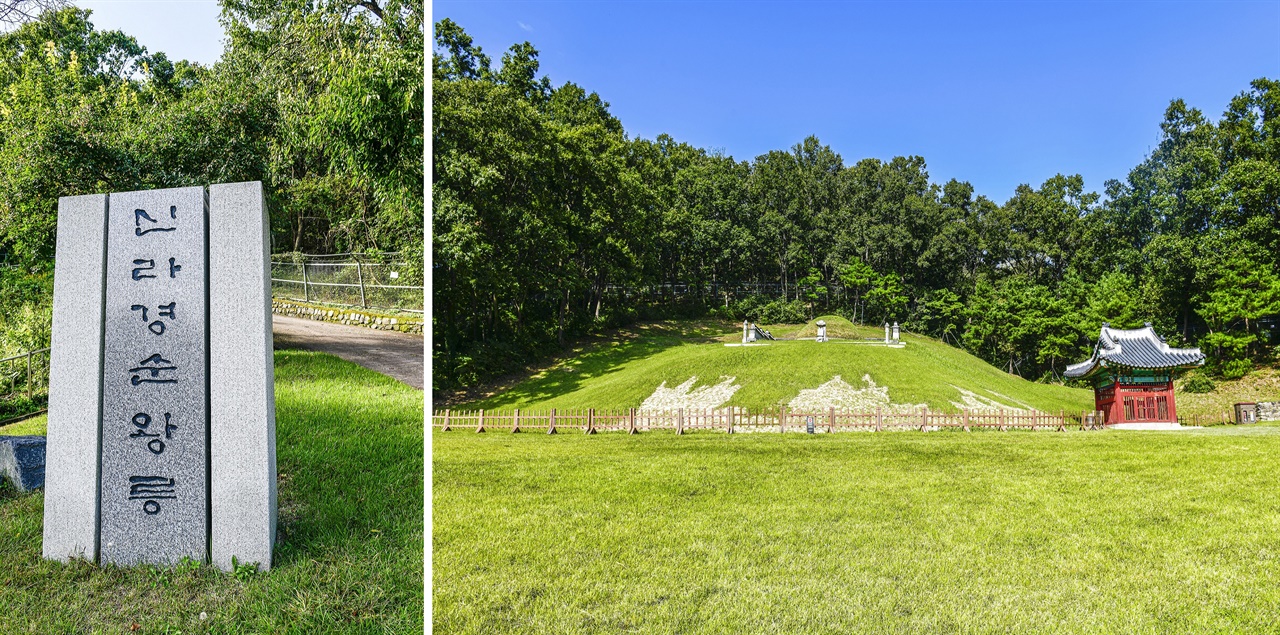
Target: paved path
(392,353)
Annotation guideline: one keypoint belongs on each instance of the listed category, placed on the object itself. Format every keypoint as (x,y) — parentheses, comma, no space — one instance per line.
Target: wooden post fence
(682,420)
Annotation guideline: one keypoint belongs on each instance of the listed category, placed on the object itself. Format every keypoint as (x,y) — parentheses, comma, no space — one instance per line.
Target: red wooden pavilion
(1132,374)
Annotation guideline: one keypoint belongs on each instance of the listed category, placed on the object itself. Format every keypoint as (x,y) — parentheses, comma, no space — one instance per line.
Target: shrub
(1236,368)
(782,312)
(1198,384)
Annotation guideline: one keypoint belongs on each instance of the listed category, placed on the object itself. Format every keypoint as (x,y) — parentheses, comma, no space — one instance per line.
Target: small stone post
(895,331)
(886,332)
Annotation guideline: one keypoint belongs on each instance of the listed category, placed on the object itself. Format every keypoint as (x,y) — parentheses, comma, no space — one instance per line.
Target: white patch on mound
(690,398)
(970,400)
(840,395)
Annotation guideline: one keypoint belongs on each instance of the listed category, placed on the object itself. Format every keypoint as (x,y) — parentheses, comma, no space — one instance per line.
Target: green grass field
(622,372)
(350,461)
(905,532)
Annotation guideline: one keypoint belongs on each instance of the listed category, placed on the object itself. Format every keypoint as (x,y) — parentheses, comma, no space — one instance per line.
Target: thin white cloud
(525,26)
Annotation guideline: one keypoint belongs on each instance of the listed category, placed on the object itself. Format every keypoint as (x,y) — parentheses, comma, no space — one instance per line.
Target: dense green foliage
(549,221)
(349,556)
(903,532)
(321,100)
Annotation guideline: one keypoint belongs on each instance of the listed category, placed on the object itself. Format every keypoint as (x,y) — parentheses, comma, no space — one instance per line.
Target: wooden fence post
(480,422)
(551,422)
(515,421)
(631,420)
(446,421)
(591,421)
(879,419)
(1002,421)
(731,410)
(1062,420)
(965,418)
(924,419)
(832,426)
(680,421)
(782,419)
(28,375)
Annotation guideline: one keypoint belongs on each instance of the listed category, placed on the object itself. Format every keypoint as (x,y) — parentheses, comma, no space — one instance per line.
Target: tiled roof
(1134,348)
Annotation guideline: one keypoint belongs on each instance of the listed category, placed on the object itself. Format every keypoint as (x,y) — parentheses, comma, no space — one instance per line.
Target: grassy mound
(623,372)
(349,452)
(837,327)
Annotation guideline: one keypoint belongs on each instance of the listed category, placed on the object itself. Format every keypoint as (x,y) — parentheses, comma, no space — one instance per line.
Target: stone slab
(242,406)
(1143,426)
(22,461)
(75,395)
(154,505)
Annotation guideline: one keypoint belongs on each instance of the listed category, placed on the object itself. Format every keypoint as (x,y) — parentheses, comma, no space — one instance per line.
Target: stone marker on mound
(161,433)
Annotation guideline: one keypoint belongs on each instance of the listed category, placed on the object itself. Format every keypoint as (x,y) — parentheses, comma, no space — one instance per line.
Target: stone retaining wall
(353,317)
(1269,411)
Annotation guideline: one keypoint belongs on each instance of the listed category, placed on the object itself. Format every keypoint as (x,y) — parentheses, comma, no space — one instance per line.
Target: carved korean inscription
(154,467)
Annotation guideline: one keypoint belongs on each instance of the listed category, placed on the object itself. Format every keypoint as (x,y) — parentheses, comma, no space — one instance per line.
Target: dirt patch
(685,396)
(840,395)
(972,401)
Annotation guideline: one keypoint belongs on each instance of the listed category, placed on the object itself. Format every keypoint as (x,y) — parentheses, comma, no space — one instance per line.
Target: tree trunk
(564,308)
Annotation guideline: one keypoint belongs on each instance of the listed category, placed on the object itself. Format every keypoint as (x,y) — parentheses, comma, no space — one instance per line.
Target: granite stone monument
(161,429)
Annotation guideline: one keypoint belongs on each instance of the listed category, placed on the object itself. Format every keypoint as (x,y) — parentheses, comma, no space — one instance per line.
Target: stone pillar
(161,442)
(886,332)
(75,391)
(154,470)
(241,379)
(895,331)
(744,331)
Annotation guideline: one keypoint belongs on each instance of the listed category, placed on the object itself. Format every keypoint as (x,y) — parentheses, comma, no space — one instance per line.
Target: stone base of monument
(1143,426)
(22,462)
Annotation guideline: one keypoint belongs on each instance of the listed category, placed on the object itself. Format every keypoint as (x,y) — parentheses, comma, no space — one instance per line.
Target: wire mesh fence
(368,285)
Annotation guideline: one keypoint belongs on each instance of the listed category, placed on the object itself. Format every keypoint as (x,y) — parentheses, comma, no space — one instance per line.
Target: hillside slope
(623,374)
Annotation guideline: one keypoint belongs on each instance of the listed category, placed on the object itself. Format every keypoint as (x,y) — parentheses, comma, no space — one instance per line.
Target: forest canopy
(549,222)
(321,100)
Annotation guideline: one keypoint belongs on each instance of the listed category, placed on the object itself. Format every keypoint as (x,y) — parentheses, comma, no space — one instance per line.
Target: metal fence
(368,285)
(24,384)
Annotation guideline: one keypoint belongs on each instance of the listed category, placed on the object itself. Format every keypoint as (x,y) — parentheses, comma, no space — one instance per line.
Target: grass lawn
(349,452)
(621,373)
(948,532)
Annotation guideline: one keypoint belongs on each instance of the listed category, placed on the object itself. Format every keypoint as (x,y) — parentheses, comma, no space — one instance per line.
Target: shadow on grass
(600,358)
(349,462)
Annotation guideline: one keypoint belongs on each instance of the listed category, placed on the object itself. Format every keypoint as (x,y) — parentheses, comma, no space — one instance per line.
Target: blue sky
(996,94)
(182,29)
